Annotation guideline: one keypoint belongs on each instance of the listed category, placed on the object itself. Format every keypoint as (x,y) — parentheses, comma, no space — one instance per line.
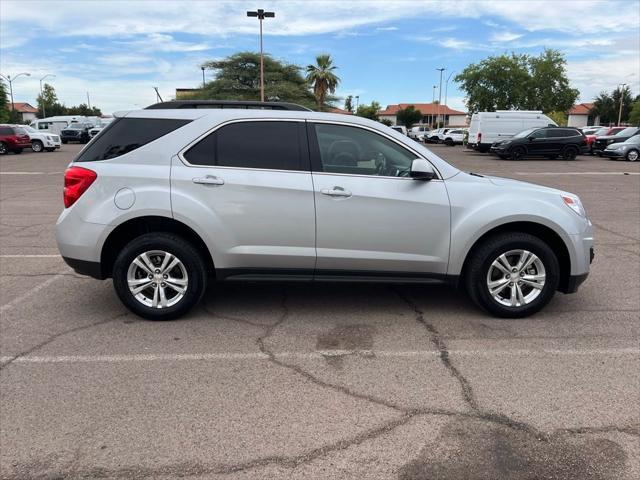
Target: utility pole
(357,103)
(261,14)
(621,90)
(44,115)
(88,102)
(440,93)
(158,97)
(433,97)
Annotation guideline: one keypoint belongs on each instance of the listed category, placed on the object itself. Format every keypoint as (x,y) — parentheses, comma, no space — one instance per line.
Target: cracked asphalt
(319,381)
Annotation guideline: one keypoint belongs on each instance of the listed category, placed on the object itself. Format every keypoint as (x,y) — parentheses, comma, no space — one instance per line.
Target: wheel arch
(127,231)
(543,232)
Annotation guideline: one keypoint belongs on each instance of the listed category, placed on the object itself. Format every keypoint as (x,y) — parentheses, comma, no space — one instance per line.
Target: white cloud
(505,37)
(386,29)
(591,77)
(457,44)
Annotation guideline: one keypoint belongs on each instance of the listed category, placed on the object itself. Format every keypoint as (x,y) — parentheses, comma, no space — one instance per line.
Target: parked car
(454,137)
(400,128)
(549,142)
(487,128)
(41,141)
(13,139)
(76,132)
(629,149)
(602,142)
(57,123)
(435,136)
(418,131)
(167,198)
(98,128)
(599,132)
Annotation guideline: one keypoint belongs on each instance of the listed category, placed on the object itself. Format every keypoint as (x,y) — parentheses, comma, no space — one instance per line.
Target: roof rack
(243,104)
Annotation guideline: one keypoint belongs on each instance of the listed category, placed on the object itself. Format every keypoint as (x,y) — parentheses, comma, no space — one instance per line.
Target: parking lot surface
(319,380)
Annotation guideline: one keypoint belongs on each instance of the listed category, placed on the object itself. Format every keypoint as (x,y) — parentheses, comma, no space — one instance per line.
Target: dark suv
(13,139)
(549,142)
(76,132)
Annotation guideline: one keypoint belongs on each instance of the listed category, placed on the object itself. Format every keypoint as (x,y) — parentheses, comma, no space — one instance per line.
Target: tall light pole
(44,115)
(446,88)
(202,67)
(440,93)
(433,97)
(10,80)
(261,14)
(357,103)
(621,90)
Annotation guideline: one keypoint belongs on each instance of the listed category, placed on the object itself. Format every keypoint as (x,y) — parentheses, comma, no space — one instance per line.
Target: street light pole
(357,103)
(11,80)
(261,14)
(620,88)
(202,77)
(440,93)
(44,115)
(446,88)
(433,97)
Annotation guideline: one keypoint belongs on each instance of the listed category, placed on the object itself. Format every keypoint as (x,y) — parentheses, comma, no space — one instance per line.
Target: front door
(371,217)
(247,185)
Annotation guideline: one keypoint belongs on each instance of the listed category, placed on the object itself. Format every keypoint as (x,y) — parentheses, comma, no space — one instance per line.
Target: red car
(13,139)
(591,138)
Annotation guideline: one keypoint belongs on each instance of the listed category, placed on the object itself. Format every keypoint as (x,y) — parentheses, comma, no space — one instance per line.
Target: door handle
(336,192)
(209,180)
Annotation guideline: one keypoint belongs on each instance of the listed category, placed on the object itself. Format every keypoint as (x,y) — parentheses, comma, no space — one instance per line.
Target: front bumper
(613,154)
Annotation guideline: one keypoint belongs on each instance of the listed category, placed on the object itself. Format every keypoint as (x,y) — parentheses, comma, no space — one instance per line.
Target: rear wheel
(512,275)
(517,153)
(3,148)
(17,150)
(159,276)
(448,142)
(632,155)
(570,153)
(552,157)
(64,141)
(37,146)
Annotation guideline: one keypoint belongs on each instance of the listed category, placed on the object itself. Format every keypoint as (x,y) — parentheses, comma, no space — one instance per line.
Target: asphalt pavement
(319,381)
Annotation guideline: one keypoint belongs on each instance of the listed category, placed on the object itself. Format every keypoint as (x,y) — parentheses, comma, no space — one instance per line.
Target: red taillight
(76,182)
(479,138)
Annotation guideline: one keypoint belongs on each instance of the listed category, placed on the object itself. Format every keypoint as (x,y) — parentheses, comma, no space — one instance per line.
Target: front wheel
(632,155)
(517,153)
(159,276)
(64,141)
(512,275)
(37,146)
(570,153)
(3,148)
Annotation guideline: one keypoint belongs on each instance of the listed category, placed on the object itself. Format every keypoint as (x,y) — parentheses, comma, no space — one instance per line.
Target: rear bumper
(84,267)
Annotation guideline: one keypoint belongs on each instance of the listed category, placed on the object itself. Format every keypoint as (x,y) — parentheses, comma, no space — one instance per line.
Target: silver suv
(169,198)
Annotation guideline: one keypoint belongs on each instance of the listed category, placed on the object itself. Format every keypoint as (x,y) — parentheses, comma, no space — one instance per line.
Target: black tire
(632,155)
(503,157)
(517,153)
(448,142)
(552,157)
(478,265)
(191,259)
(569,153)
(37,146)
(50,149)
(64,141)
(17,151)
(3,148)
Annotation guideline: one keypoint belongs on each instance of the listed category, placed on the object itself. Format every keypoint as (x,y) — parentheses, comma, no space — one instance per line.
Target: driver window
(353,150)
(539,134)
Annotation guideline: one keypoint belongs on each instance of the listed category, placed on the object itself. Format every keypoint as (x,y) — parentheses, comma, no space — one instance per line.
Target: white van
(57,123)
(489,127)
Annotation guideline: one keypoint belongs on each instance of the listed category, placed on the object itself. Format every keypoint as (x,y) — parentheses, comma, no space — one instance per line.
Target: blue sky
(386,50)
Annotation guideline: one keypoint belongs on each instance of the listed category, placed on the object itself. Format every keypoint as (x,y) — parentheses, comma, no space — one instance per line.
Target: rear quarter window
(6,131)
(124,135)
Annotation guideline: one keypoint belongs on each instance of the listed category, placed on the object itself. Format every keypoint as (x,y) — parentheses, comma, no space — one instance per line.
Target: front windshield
(525,133)
(76,126)
(30,130)
(626,132)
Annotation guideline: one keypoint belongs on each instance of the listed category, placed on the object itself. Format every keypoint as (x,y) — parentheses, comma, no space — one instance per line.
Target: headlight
(610,141)
(574,203)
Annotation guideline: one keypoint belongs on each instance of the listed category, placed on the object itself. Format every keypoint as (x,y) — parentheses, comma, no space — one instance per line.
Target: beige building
(430,113)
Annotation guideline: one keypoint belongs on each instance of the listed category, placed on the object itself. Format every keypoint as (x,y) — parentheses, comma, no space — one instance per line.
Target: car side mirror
(422,170)
(531,139)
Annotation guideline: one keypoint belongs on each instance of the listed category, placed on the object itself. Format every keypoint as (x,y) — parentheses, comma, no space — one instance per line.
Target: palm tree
(322,78)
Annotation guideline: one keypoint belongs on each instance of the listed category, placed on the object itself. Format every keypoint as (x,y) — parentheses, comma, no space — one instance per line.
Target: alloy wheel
(157,279)
(516,278)
(632,156)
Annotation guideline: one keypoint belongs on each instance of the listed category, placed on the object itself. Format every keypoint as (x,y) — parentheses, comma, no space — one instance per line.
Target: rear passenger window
(268,145)
(124,135)
(6,131)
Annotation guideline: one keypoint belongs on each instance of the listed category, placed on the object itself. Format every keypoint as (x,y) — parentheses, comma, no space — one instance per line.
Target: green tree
(634,115)
(518,81)
(386,121)
(623,94)
(369,111)
(322,78)
(559,117)
(84,110)
(4,103)
(408,116)
(348,103)
(238,78)
(605,108)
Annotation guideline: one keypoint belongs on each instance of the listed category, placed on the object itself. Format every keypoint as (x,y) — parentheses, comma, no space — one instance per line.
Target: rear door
(248,185)
(372,218)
